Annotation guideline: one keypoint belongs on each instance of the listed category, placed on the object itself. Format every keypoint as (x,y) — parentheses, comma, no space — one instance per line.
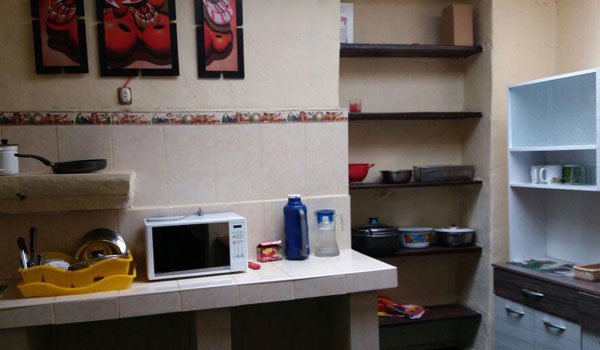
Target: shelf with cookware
(41,192)
(553,220)
(417,116)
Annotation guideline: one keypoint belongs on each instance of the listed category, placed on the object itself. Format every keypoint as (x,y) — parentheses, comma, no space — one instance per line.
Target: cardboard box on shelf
(457,25)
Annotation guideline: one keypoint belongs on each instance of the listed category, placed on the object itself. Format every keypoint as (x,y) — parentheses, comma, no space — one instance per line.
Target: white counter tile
(26,316)
(319,287)
(366,281)
(86,310)
(209,298)
(269,272)
(266,292)
(149,304)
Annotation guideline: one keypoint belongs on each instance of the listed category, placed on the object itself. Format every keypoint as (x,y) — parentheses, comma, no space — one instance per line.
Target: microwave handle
(304,232)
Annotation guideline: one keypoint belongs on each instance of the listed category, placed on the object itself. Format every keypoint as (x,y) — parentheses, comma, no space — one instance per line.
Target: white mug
(551,174)
(535,174)
(9,164)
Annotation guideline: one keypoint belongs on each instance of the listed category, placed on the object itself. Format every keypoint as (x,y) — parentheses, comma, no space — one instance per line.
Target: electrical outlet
(125,96)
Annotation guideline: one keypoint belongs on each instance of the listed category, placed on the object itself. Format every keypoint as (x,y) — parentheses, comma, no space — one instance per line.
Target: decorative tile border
(172,118)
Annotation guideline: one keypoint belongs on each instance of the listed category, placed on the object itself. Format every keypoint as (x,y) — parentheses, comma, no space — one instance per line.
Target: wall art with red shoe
(137,36)
(59,36)
(220,39)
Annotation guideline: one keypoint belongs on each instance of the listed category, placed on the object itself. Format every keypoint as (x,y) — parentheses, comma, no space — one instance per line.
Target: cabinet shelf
(553,148)
(437,250)
(408,50)
(592,188)
(379,185)
(413,116)
(434,314)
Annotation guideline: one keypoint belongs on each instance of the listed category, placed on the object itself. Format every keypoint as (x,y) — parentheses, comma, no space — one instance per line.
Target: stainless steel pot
(100,242)
(455,236)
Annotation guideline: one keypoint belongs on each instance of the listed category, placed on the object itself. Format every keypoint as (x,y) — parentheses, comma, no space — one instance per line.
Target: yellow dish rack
(105,275)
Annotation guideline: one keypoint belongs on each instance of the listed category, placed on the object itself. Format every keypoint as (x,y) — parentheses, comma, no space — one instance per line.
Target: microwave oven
(195,245)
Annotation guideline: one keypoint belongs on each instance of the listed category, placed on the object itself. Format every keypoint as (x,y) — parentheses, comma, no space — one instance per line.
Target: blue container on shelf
(296,229)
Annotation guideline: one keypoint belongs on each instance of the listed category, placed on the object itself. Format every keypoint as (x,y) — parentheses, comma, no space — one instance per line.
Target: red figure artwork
(59,36)
(220,39)
(137,35)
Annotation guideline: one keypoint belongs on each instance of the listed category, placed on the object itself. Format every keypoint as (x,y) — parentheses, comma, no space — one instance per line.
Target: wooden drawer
(540,295)
(555,333)
(590,340)
(514,326)
(589,311)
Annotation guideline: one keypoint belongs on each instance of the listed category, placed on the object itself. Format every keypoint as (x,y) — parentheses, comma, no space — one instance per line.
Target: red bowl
(358,172)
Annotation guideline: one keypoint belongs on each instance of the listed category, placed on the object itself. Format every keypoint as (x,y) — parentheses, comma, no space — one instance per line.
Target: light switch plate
(125,97)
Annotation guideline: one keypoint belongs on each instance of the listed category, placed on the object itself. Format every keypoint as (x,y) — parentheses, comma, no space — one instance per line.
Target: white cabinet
(554,121)
(519,327)
(590,340)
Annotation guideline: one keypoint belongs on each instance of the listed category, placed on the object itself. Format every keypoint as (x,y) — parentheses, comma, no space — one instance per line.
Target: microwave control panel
(238,245)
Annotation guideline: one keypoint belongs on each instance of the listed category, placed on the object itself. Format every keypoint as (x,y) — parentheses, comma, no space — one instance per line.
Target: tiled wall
(248,169)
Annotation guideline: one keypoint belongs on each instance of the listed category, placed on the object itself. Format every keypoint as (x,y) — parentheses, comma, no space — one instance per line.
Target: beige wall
(292,60)
(578,37)
(291,53)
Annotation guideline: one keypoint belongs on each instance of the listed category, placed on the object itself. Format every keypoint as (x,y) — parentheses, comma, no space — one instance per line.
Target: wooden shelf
(437,250)
(433,314)
(410,50)
(379,185)
(414,116)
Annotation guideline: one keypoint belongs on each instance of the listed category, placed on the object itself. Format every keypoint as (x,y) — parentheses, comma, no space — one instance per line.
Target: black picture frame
(202,59)
(40,68)
(239,8)
(106,71)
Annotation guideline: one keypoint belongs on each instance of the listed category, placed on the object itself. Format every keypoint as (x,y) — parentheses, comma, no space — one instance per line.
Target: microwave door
(190,249)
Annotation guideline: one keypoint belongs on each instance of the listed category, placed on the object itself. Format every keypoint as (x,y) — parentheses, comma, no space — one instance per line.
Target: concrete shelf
(42,192)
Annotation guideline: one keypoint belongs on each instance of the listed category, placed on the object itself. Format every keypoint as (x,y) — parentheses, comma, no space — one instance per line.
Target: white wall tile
(283,159)
(191,165)
(38,140)
(142,148)
(238,155)
(327,158)
(254,214)
(85,142)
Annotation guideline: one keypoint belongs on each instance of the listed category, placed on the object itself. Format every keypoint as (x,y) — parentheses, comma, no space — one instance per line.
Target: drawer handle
(554,326)
(530,293)
(514,312)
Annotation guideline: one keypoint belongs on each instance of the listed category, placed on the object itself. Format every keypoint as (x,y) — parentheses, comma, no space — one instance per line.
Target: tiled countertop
(350,272)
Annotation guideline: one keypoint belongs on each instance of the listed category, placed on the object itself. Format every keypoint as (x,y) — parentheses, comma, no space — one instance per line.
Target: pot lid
(415,229)
(375,228)
(6,146)
(454,229)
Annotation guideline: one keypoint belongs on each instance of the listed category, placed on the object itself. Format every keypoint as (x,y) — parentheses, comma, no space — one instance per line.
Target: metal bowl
(455,236)
(396,177)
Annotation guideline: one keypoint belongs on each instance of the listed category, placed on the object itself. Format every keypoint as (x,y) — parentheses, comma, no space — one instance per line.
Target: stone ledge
(42,192)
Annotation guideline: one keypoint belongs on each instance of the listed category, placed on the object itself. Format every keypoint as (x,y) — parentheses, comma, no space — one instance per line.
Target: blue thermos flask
(296,229)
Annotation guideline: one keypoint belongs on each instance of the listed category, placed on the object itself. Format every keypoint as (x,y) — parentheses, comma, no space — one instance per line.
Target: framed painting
(137,36)
(59,36)
(220,39)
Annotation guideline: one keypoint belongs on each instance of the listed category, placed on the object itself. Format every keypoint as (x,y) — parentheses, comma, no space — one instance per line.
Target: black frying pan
(73,167)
